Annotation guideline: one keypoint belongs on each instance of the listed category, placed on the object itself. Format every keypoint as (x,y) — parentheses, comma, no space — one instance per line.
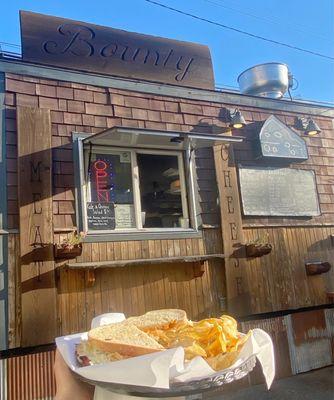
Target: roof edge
(234,99)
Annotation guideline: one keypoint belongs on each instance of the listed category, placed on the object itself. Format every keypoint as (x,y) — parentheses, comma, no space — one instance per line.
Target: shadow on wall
(61,180)
(42,281)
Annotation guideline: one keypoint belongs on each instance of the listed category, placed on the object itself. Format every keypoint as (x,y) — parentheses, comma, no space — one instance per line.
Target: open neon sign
(102,174)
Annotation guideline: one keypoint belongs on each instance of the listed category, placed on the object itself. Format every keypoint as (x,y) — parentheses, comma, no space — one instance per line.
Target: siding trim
(236,99)
(3,223)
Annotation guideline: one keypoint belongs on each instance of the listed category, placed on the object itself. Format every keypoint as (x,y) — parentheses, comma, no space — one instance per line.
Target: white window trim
(185,162)
(189,163)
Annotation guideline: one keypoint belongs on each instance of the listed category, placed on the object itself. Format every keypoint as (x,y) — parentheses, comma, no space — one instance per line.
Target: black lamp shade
(237,120)
(312,128)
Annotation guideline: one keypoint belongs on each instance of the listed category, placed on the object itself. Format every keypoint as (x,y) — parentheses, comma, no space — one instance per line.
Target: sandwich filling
(88,354)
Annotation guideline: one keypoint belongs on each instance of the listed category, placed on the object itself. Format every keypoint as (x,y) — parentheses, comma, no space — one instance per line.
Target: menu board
(100,216)
(278,192)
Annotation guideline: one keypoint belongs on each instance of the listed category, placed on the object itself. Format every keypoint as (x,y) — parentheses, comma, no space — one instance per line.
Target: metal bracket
(90,277)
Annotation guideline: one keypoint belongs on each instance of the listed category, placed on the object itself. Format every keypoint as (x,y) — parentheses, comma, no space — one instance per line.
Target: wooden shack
(183,198)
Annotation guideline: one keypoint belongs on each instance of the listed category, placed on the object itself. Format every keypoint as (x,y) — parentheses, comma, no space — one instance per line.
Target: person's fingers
(68,386)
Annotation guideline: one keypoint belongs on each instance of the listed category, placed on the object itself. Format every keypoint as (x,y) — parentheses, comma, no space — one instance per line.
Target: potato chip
(210,338)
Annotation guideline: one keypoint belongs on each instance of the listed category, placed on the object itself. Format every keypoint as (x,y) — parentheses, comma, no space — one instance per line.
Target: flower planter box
(258,250)
(61,253)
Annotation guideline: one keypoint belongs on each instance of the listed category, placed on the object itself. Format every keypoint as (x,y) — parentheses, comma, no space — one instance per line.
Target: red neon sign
(101,179)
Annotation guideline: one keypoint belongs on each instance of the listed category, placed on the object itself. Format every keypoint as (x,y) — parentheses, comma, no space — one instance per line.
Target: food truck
(129,183)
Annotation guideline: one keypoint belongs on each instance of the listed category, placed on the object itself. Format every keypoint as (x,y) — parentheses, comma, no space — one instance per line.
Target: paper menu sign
(125,157)
(158,370)
(125,215)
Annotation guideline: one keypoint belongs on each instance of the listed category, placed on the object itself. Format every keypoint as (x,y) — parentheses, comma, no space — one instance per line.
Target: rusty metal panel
(30,377)
(309,341)
(276,328)
(268,325)
(329,316)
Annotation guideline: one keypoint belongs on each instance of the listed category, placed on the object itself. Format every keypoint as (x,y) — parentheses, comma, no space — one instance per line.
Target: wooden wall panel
(279,280)
(238,302)
(36,235)
(137,289)
(143,110)
(14,291)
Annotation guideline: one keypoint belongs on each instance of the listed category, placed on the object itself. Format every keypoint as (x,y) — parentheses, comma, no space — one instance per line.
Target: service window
(134,189)
(134,180)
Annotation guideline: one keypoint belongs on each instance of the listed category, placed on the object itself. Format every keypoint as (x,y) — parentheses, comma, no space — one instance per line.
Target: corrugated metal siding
(3,380)
(30,377)
(268,325)
(309,341)
(329,316)
(276,328)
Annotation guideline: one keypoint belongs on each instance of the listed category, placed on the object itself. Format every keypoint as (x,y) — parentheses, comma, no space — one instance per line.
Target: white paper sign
(125,216)
(125,157)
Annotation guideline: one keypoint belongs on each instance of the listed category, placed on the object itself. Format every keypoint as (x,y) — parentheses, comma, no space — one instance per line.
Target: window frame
(189,203)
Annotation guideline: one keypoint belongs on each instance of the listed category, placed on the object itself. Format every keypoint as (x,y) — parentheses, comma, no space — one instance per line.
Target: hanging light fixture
(312,128)
(309,126)
(237,120)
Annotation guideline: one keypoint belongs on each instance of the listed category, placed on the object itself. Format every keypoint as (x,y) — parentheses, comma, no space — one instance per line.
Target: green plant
(74,240)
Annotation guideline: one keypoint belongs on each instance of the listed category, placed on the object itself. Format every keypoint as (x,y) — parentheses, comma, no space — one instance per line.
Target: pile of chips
(208,338)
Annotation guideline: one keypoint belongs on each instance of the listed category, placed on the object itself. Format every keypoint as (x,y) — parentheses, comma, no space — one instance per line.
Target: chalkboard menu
(100,216)
(278,192)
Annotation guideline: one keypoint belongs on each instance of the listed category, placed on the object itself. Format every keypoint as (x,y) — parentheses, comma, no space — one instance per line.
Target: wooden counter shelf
(90,267)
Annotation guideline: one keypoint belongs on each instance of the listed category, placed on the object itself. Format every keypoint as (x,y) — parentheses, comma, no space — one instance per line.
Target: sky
(305,24)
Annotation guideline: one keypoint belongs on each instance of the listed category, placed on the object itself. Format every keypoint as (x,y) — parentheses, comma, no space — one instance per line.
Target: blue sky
(301,23)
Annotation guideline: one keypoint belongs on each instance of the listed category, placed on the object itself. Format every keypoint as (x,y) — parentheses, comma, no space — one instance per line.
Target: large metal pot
(266,80)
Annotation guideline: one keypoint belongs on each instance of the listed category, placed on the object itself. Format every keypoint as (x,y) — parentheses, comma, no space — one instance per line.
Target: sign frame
(110,216)
(87,47)
(302,214)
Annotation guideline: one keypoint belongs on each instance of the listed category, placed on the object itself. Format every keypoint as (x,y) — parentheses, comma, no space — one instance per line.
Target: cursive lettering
(184,69)
(78,43)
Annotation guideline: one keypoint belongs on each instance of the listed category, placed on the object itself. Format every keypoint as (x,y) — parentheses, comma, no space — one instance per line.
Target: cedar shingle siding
(85,108)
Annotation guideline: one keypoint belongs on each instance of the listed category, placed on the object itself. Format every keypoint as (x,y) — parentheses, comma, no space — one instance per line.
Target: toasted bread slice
(125,339)
(158,319)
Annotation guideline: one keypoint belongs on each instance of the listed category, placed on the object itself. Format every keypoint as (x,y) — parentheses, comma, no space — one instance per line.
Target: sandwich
(129,338)
(217,340)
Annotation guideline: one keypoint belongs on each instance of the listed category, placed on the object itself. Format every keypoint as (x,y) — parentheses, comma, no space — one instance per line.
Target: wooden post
(238,298)
(36,229)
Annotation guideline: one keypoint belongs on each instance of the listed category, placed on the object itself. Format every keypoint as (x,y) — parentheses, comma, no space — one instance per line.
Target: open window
(135,181)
